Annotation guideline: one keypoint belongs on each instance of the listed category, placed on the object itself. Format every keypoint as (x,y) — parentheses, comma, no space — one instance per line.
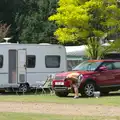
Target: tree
(34,26)
(79,20)
(4,30)
(95,50)
(9,9)
(25,15)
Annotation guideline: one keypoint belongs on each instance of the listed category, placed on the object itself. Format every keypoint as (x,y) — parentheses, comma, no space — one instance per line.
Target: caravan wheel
(23,88)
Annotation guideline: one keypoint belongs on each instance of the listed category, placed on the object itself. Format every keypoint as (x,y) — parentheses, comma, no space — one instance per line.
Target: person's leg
(76,91)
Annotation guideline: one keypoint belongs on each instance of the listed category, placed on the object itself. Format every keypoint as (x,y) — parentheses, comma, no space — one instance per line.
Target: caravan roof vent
(6,40)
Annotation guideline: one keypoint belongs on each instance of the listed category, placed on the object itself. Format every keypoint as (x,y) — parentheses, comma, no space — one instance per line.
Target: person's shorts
(75,85)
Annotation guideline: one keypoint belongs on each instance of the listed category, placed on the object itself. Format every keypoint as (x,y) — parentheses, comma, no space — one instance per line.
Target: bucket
(97,94)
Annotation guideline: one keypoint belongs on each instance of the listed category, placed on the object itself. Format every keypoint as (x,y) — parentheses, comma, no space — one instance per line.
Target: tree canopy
(78,20)
(36,28)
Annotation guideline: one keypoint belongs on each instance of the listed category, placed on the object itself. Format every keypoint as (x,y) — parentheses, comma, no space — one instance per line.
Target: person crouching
(73,77)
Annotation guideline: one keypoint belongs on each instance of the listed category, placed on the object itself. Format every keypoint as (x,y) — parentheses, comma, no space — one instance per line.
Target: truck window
(1,61)
(52,61)
(72,63)
(109,65)
(116,65)
(30,61)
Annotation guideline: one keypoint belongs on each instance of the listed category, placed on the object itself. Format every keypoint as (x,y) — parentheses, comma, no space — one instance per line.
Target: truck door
(117,72)
(107,78)
(21,66)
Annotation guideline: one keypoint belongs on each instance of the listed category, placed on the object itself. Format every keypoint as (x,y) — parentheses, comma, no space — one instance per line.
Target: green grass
(108,100)
(21,116)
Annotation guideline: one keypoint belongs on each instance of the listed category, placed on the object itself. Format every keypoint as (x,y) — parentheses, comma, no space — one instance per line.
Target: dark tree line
(28,20)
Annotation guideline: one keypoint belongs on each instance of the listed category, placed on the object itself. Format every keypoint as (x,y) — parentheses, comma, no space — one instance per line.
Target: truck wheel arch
(91,80)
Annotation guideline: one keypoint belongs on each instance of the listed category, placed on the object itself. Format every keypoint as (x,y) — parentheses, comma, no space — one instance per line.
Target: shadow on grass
(32,92)
(109,95)
(48,93)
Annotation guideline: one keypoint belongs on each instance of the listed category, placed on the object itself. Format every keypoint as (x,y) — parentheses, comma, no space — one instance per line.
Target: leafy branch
(4,30)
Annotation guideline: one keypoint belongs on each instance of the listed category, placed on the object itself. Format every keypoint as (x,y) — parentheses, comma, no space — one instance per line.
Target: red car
(94,75)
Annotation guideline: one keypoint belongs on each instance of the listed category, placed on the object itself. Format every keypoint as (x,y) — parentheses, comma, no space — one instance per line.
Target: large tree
(81,19)
(33,24)
(85,20)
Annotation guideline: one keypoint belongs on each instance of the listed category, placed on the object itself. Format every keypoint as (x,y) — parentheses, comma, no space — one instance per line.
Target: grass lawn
(108,100)
(21,116)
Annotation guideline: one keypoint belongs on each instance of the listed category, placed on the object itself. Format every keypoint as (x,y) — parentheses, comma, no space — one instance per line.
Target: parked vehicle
(23,65)
(94,75)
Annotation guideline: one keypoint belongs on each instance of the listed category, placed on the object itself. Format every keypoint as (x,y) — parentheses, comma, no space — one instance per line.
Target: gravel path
(62,109)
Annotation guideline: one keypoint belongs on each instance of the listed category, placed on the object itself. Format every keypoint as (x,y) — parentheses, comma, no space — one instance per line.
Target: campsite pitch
(60,109)
(47,104)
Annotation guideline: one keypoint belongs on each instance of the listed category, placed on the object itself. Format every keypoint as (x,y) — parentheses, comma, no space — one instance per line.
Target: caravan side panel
(46,57)
(3,66)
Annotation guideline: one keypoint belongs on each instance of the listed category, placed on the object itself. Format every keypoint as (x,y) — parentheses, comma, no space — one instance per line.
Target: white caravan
(25,65)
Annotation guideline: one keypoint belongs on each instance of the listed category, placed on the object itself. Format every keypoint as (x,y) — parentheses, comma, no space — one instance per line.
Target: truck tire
(88,89)
(23,88)
(61,94)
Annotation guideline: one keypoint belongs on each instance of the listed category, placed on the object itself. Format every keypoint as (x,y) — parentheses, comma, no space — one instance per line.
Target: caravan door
(21,66)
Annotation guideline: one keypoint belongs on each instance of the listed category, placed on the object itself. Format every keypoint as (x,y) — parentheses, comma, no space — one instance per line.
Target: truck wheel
(88,89)
(23,88)
(61,94)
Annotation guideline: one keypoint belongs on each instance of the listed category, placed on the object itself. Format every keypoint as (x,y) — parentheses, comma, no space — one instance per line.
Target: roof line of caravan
(1,44)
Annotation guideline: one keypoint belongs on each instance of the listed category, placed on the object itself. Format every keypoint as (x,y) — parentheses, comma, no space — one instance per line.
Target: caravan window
(52,61)
(1,61)
(31,61)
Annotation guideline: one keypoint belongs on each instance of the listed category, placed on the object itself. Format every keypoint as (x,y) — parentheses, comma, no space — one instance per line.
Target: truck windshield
(87,66)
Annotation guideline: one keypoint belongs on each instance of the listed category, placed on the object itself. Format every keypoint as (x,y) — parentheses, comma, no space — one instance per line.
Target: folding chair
(44,86)
(18,91)
(48,86)
(38,86)
(14,89)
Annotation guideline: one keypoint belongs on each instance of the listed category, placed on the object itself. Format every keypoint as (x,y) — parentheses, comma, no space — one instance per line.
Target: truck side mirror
(103,68)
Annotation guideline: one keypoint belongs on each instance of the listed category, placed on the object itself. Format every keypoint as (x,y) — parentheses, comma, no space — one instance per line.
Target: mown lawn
(108,100)
(21,116)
